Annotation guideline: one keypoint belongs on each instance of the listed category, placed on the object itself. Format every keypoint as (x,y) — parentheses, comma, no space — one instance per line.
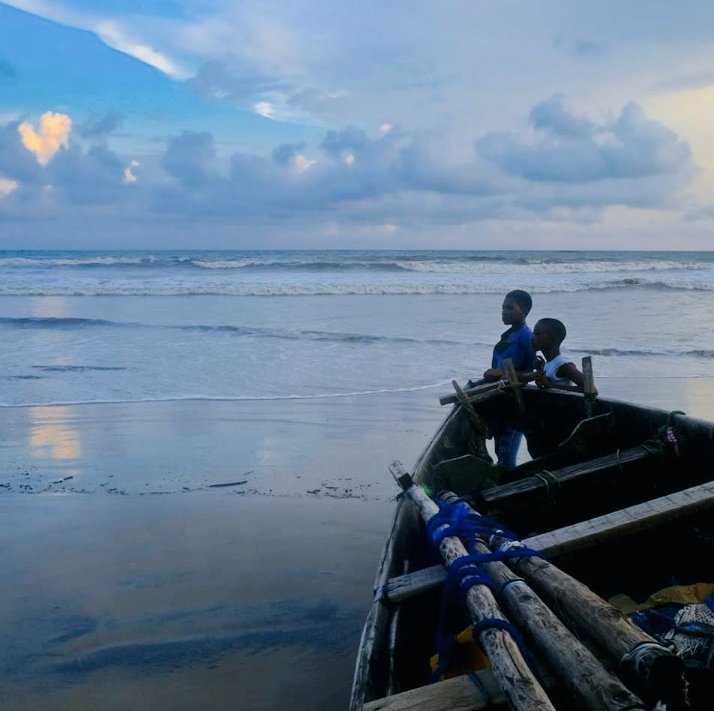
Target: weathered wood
(520,687)
(549,482)
(630,520)
(514,382)
(579,536)
(457,694)
(658,667)
(472,394)
(587,681)
(589,386)
(393,630)
(403,587)
(478,422)
(488,390)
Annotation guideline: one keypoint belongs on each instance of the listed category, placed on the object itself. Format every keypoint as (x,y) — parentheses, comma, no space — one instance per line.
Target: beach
(194,488)
(140,584)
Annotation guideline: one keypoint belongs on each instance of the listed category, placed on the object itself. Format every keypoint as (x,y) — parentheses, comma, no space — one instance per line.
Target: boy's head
(548,332)
(516,306)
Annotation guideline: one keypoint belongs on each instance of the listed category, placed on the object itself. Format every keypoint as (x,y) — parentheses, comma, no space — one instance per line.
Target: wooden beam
(402,587)
(523,489)
(633,519)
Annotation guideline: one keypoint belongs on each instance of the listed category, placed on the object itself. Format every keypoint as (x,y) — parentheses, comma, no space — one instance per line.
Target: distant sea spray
(314,273)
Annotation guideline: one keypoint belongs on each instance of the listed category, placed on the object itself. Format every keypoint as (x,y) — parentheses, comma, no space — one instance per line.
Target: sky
(178,124)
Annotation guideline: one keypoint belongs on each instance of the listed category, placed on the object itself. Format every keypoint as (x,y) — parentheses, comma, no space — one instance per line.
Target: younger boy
(548,334)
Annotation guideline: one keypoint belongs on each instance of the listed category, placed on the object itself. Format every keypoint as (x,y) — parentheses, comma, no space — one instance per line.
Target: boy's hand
(493,374)
(541,381)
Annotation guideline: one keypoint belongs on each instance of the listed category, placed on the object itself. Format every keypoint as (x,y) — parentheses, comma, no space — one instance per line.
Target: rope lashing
(669,432)
(549,479)
(456,519)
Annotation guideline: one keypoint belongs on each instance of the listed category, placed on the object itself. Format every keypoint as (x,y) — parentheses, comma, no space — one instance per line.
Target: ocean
(80,327)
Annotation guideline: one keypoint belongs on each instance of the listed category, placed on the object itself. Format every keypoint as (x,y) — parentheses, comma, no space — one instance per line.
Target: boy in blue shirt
(516,344)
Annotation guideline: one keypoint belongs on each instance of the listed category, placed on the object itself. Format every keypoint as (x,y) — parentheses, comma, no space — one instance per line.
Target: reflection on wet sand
(51,436)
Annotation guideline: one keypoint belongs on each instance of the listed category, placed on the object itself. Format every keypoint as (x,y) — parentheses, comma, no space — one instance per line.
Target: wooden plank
(457,694)
(578,536)
(403,587)
(633,519)
(526,487)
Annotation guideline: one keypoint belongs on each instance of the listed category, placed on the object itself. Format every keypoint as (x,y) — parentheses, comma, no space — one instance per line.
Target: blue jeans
(507,442)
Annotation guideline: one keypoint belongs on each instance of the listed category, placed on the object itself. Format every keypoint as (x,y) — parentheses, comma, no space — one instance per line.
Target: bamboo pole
(657,667)
(520,687)
(485,390)
(588,682)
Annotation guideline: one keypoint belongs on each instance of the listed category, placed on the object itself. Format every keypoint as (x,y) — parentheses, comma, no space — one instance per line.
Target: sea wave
(284,334)
(472,263)
(373,288)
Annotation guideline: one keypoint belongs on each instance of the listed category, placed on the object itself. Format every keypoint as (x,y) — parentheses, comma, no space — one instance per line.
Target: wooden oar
(589,683)
(513,675)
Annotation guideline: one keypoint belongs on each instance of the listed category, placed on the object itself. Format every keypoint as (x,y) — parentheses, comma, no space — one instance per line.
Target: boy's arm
(570,371)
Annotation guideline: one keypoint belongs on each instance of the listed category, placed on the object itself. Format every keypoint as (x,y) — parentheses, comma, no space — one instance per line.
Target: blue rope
(456,519)
(506,626)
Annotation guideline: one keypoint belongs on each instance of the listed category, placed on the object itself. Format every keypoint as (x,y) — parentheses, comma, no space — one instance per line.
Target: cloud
(53,134)
(570,149)
(7,186)
(191,158)
(129,176)
(101,126)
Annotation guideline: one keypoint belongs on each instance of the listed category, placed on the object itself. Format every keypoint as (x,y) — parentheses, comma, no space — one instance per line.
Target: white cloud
(264,108)
(52,135)
(7,186)
(129,176)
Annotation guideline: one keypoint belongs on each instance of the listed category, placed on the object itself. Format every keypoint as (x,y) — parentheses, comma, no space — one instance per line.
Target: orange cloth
(470,657)
(678,594)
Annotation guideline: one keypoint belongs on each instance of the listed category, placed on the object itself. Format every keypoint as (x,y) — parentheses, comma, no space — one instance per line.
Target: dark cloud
(16,162)
(287,152)
(215,81)
(572,150)
(191,158)
(101,126)
(8,72)
(579,47)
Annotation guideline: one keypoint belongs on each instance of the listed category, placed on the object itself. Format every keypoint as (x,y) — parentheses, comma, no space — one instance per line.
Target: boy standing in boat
(556,369)
(516,344)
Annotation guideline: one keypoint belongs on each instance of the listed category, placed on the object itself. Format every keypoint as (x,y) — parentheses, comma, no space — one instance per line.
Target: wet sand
(214,555)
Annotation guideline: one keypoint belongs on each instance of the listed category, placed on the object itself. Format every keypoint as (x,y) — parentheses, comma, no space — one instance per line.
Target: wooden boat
(617,500)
